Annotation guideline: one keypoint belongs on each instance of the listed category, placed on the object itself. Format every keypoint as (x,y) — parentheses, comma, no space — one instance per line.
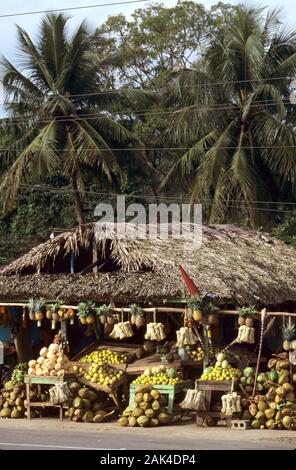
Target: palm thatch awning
(243,266)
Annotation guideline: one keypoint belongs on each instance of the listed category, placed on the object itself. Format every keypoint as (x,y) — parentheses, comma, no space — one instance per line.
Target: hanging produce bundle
(122,330)
(160,375)
(60,393)
(155,332)
(185,337)
(221,371)
(36,310)
(194,400)
(19,372)
(246,334)
(87,405)
(103,374)
(289,337)
(148,410)
(52,361)
(137,316)
(104,356)
(86,313)
(246,331)
(231,403)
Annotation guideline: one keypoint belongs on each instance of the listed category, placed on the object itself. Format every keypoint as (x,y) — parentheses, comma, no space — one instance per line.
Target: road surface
(51,434)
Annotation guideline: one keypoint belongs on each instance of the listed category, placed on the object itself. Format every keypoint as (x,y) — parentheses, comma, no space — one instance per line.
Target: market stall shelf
(170,390)
(45,380)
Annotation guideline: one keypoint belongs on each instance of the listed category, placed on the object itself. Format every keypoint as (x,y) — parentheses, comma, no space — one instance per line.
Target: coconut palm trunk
(77,201)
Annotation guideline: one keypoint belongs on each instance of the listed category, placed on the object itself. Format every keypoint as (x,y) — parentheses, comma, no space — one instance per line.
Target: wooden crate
(112,392)
(170,390)
(154,360)
(217,385)
(122,348)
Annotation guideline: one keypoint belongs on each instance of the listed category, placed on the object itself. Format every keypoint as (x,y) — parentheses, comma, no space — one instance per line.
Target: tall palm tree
(60,112)
(234,114)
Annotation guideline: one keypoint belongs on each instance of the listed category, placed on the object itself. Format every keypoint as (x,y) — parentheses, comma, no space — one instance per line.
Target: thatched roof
(241,265)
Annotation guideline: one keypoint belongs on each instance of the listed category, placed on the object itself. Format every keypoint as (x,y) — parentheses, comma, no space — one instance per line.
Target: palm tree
(234,114)
(60,112)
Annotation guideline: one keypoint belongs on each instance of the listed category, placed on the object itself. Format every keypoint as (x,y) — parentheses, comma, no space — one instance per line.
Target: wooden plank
(218,385)
(102,388)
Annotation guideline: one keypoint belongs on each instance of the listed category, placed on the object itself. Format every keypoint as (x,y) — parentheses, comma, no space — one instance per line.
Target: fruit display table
(210,386)
(43,380)
(170,390)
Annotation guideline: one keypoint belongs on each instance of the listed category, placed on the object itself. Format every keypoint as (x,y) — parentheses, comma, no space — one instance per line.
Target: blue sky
(94,16)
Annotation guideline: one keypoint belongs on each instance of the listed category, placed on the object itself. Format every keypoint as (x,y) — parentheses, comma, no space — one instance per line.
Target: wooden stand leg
(132,397)
(171,402)
(61,413)
(114,397)
(28,401)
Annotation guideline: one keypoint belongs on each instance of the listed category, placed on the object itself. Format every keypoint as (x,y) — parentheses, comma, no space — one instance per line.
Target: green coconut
(248,372)
(262,378)
(253,409)
(74,387)
(255,424)
(262,405)
(88,417)
(16,414)
(273,375)
(91,395)
(144,405)
(78,413)
(269,413)
(86,404)
(77,402)
(260,416)
(97,406)
(5,412)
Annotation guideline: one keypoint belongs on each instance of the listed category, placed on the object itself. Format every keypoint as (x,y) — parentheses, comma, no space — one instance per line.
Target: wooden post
(263,315)
(95,257)
(72,262)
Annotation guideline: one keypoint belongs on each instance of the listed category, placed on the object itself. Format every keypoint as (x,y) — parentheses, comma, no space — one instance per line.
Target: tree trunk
(23,345)
(77,202)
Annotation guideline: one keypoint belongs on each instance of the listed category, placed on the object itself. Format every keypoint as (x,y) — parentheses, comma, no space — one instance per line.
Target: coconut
(287,421)
(5,412)
(122,421)
(278,416)
(100,415)
(253,409)
(262,405)
(150,413)
(143,421)
(97,406)
(283,378)
(148,397)
(91,395)
(280,391)
(271,363)
(88,417)
(270,424)
(139,397)
(288,387)
(144,405)
(163,418)
(138,412)
(260,416)
(74,386)
(269,413)
(132,421)
(153,422)
(290,396)
(255,424)
(155,394)
(155,405)
(77,402)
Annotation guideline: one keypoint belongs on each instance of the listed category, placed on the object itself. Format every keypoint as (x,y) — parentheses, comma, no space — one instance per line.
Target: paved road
(53,435)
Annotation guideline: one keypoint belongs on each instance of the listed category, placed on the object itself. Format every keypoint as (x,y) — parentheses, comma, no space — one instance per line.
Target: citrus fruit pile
(103,374)
(106,356)
(158,376)
(197,355)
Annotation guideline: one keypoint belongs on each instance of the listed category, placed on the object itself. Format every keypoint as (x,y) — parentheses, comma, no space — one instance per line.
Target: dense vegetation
(178,103)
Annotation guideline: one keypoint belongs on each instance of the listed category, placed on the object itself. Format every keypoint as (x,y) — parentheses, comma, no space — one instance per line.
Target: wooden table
(154,360)
(43,380)
(170,390)
(210,386)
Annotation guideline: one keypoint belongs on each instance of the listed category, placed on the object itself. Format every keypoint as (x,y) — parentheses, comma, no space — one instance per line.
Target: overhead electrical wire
(82,7)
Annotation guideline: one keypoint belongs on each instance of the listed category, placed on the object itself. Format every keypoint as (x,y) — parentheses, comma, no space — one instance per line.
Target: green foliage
(247,311)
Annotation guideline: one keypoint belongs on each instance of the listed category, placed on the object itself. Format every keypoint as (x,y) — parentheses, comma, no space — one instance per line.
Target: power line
(92,116)
(199,85)
(181,200)
(145,148)
(82,7)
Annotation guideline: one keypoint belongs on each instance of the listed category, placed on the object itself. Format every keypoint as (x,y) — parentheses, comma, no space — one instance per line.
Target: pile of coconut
(51,362)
